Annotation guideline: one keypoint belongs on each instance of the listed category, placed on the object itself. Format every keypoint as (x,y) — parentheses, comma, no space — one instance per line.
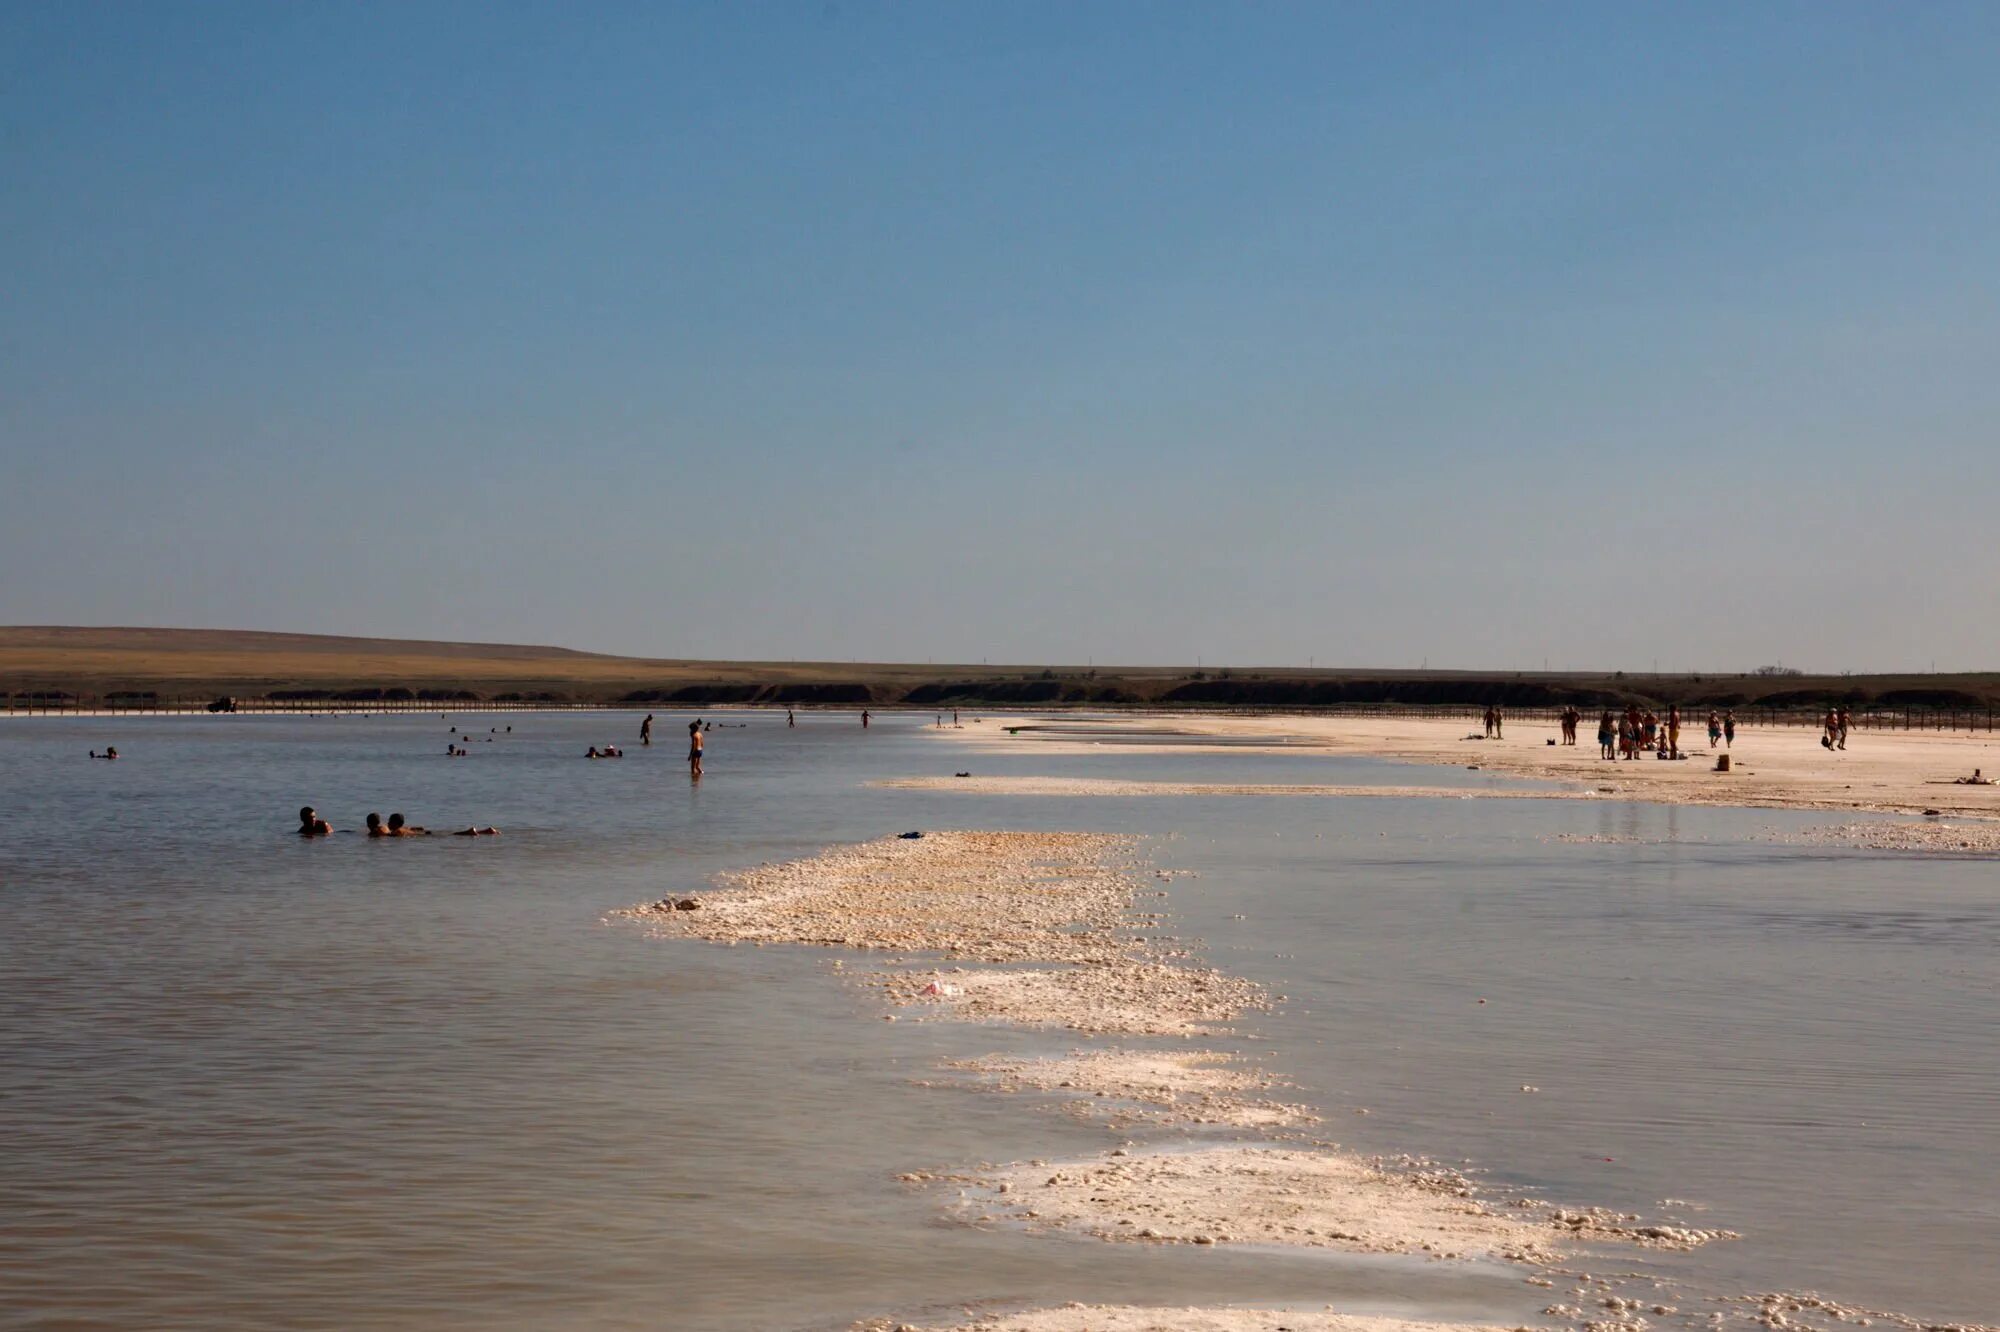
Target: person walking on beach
(1606,732)
(1489,723)
(646,730)
(1714,727)
(1845,718)
(695,744)
(1496,722)
(1728,728)
(790,720)
(1832,725)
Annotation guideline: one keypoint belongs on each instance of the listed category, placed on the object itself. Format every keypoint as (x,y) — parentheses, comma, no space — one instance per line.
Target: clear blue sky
(1484,334)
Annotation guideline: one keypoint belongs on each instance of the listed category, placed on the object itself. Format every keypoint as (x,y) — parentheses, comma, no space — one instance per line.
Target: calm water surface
(248,1081)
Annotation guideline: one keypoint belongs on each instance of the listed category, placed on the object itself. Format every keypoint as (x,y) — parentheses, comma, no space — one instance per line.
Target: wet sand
(1904,772)
(1162,1087)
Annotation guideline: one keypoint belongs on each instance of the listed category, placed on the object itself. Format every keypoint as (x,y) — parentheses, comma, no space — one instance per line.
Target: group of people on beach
(1835,728)
(312,825)
(1627,735)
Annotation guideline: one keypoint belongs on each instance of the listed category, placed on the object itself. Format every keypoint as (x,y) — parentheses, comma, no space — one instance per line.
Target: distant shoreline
(131,669)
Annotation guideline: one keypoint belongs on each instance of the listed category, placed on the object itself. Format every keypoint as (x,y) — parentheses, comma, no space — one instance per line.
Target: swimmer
(864,719)
(695,746)
(477,832)
(398,828)
(311,824)
(646,730)
(375,828)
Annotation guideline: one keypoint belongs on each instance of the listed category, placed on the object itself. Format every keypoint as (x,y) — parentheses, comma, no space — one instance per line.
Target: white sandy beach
(1886,771)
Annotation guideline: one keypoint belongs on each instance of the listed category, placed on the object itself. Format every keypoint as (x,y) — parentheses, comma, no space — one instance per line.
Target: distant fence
(1884,719)
(62,703)
(49,704)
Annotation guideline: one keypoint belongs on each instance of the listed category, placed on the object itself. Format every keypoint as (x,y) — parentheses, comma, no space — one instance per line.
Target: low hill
(137,665)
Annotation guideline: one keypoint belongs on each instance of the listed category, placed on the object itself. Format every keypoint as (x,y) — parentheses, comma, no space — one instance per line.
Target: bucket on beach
(1722,763)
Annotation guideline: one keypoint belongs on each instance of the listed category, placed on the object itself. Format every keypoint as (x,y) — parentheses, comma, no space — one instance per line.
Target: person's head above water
(374,822)
(306,813)
(395,823)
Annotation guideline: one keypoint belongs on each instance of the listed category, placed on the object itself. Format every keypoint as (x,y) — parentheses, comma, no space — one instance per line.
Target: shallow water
(252,1081)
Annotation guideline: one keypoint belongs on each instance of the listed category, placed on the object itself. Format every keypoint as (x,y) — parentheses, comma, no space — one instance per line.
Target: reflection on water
(251,1081)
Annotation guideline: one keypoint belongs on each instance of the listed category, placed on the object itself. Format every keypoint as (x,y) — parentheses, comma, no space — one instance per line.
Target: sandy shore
(1905,772)
(1111,786)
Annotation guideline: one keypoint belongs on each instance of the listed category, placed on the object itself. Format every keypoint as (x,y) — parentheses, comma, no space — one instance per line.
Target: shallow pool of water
(250,1081)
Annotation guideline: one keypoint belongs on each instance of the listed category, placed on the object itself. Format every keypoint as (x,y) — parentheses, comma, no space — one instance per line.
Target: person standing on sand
(1674,731)
(695,744)
(1728,728)
(1845,718)
(646,730)
(1488,719)
(1606,733)
(1714,727)
(1497,721)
